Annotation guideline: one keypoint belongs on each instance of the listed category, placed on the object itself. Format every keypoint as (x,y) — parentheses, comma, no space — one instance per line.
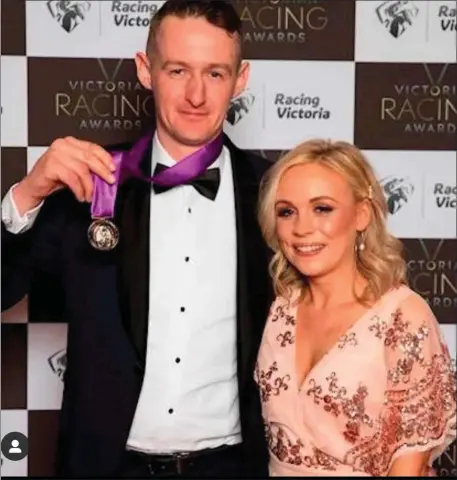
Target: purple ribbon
(128,166)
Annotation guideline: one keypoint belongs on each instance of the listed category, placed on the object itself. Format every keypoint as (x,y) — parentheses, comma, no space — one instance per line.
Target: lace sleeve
(419,412)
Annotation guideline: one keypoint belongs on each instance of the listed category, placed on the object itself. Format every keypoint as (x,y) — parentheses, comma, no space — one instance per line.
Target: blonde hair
(381,262)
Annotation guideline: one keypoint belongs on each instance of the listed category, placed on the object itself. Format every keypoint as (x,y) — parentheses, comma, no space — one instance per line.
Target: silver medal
(103,234)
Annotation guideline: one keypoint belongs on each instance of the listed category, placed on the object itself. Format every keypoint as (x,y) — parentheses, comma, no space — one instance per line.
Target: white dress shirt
(189,398)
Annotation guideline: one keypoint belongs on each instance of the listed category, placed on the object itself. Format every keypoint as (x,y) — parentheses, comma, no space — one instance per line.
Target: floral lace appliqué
(293,451)
(337,402)
(348,339)
(279,314)
(420,400)
(269,384)
(285,338)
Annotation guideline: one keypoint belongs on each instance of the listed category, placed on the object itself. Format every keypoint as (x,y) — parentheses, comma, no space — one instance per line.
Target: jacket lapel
(252,272)
(133,219)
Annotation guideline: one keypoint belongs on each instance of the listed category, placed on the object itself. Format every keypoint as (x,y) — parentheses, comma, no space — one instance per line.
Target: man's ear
(242,79)
(143,70)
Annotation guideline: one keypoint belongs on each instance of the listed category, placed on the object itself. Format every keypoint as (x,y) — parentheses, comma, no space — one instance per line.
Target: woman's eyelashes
(319,209)
(323,208)
(284,212)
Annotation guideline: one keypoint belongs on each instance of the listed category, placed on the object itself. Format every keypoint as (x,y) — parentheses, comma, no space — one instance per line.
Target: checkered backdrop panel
(380,74)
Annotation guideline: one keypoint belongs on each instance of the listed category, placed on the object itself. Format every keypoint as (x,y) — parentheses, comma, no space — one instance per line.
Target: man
(164,328)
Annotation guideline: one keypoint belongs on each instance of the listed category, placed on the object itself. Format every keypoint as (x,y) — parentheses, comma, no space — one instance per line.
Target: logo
(133,13)
(397,191)
(427,107)
(108,103)
(300,107)
(100,100)
(58,363)
(69,13)
(239,108)
(432,272)
(397,15)
(445,195)
(297,30)
(411,106)
(448,18)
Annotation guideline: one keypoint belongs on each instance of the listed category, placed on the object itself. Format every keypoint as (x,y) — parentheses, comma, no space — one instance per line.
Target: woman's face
(317,219)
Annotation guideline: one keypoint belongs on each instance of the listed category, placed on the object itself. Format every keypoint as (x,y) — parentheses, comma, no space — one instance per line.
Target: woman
(355,377)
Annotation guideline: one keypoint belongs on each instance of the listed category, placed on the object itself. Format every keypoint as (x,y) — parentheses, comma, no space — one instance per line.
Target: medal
(103,234)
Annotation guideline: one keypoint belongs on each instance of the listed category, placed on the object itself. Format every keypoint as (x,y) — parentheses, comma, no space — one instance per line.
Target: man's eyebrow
(224,66)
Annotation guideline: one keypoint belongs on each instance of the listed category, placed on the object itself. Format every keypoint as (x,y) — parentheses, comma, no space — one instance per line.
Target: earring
(360,243)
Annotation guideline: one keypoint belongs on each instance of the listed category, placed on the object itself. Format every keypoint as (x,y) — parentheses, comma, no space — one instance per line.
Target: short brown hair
(219,13)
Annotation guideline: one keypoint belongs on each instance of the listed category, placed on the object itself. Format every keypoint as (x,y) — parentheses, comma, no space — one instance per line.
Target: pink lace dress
(386,388)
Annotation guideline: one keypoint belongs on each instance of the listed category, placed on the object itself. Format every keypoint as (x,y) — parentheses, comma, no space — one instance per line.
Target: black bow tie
(207,184)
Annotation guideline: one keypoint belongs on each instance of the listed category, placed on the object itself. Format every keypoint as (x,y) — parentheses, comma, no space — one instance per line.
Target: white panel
(33,154)
(13,130)
(282,107)
(421,189)
(14,421)
(88,29)
(405,31)
(46,365)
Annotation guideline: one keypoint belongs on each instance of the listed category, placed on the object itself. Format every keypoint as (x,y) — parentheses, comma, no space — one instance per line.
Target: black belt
(184,462)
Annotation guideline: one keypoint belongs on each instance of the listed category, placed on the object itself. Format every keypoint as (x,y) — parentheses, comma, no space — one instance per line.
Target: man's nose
(196,91)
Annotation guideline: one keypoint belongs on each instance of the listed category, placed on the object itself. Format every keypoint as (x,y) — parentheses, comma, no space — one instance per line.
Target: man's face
(193,76)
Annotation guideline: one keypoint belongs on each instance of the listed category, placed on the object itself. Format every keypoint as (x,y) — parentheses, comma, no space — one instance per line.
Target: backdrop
(379,74)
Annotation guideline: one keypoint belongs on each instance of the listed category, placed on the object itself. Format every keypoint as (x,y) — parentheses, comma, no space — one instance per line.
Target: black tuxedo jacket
(106,306)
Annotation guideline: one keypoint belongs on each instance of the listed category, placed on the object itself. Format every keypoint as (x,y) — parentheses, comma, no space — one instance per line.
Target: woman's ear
(363,213)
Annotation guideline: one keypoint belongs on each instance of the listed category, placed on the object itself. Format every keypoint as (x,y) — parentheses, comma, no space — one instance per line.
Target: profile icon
(15,446)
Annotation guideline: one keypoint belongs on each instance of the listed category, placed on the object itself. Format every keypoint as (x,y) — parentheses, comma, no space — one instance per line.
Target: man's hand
(68,162)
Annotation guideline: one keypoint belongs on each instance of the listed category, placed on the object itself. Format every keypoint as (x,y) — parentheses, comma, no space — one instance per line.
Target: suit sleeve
(29,244)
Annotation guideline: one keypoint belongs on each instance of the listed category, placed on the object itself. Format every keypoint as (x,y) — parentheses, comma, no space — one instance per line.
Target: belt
(183,462)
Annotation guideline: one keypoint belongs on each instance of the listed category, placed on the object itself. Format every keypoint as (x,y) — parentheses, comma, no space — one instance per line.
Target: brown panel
(43,430)
(14,166)
(410,106)
(99,100)
(446,464)
(14,366)
(297,30)
(13,27)
(432,269)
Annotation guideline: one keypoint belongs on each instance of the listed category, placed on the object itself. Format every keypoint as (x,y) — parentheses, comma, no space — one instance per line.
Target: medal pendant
(103,234)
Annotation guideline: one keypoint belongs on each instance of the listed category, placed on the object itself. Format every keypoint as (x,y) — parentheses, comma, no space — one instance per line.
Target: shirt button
(189,210)
(182,309)
(177,360)
(187,259)
(170,411)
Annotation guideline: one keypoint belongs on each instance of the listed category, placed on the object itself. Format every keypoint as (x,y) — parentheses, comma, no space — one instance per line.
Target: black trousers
(225,461)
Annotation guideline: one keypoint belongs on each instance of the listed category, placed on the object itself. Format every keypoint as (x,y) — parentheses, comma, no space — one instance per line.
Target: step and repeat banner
(381,74)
